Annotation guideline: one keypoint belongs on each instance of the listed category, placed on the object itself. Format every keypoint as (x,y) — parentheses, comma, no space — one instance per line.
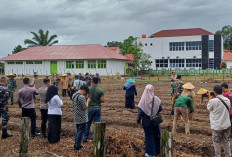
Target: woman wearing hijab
(130,93)
(54,114)
(152,133)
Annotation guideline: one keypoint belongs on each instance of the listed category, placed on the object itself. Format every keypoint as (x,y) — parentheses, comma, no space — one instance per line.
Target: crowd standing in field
(87,98)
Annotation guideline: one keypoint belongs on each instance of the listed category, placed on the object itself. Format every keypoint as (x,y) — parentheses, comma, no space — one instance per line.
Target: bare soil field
(125,138)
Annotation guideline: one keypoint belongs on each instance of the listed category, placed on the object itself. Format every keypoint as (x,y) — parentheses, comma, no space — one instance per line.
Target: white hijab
(146,100)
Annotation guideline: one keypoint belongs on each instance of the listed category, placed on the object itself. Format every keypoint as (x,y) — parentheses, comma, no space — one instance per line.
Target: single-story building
(58,59)
(228,58)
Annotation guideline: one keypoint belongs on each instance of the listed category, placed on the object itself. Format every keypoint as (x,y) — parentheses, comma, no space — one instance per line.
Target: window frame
(29,62)
(38,62)
(101,64)
(80,64)
(92,64)
(19,62)
(70,64)
(10,62)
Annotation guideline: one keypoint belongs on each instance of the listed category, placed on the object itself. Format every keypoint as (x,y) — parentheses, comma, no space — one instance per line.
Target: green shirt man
(96,95)
(184,102)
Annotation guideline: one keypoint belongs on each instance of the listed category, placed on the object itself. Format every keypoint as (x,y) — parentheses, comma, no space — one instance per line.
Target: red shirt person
(226,93)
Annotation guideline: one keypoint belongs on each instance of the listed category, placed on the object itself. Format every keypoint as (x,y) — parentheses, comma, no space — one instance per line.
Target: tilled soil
(124,136)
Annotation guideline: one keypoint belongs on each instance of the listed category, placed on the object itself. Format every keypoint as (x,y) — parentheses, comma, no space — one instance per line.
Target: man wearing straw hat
(64,83)
(181,108)
(12,86)
(188,91)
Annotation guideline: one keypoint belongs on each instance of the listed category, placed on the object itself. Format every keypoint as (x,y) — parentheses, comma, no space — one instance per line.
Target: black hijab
(51,92)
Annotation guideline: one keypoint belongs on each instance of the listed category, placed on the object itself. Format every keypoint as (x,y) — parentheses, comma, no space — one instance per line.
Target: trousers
(30,112)
(221,136)
(4,113)
(44,117)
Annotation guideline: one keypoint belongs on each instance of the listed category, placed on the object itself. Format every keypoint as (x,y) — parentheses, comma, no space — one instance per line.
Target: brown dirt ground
(124,136)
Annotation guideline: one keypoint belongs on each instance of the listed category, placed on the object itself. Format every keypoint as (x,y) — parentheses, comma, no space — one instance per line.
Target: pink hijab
(145,102)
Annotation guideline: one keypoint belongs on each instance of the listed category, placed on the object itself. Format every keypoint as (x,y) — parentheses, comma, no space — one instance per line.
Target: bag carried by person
(155,119)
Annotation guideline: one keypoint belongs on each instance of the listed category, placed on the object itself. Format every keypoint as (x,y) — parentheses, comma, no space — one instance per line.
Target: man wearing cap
(64,83)
(177,87)
(173,77)
(70,83)
(4,113)
(94,108)
(12,86)
(130,93)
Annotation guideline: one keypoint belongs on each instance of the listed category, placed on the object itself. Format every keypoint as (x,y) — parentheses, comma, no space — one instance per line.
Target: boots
(187,128)
(5,134)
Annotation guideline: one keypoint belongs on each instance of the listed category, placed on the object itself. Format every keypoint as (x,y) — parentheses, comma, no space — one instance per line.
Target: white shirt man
(220,121)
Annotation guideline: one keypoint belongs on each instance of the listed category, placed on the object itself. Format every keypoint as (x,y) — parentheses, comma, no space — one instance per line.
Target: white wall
(113,67)
(229,64)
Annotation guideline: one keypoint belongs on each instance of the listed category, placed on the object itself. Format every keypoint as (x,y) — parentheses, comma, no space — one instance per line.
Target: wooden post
(24,140)
(99,139)
(166,142)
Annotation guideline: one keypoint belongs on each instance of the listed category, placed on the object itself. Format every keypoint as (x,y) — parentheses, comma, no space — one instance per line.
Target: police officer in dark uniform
(4,113)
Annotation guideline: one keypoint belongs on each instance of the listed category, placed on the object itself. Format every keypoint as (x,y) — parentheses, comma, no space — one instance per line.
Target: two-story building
(184,49)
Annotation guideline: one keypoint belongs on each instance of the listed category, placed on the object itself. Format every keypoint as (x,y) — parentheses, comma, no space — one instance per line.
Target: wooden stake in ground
(24,141)
(99,139)
(166,144)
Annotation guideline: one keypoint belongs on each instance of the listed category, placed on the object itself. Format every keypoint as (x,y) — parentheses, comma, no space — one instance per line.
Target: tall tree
(17,49)
(129,46)
(41,39)
(226,33)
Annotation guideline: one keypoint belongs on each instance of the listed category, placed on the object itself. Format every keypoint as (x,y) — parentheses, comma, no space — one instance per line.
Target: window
(151,44)
(193,45)
(69,64)
(176,63)
(29,62)
(10,62)
(145,44)
(176,46)
(101,64)
(193,63)
(38,62)
(80,64)
(19,62)
(161,63)
(211,63)
(211,45)
(92,64)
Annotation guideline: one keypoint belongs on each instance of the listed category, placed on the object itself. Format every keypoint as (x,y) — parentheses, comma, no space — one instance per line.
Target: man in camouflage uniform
(4,113)
(177,87)
(12,86)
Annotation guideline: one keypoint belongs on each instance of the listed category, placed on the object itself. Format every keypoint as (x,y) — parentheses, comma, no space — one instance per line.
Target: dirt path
(121,125)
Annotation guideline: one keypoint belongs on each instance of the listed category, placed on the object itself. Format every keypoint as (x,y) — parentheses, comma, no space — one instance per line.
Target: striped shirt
(79,101)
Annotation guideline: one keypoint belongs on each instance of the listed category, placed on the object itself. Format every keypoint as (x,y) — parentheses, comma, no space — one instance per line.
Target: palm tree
(41,39)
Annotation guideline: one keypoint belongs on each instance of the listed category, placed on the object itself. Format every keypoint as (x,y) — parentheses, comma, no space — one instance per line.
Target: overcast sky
(100,21)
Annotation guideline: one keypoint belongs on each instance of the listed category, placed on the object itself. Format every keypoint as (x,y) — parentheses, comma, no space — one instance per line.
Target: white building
(59,59)
(184,49)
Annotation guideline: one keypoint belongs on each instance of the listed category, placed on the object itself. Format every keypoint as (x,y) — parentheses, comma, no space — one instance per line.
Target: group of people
(219,106)
(85,93)
(88,97)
